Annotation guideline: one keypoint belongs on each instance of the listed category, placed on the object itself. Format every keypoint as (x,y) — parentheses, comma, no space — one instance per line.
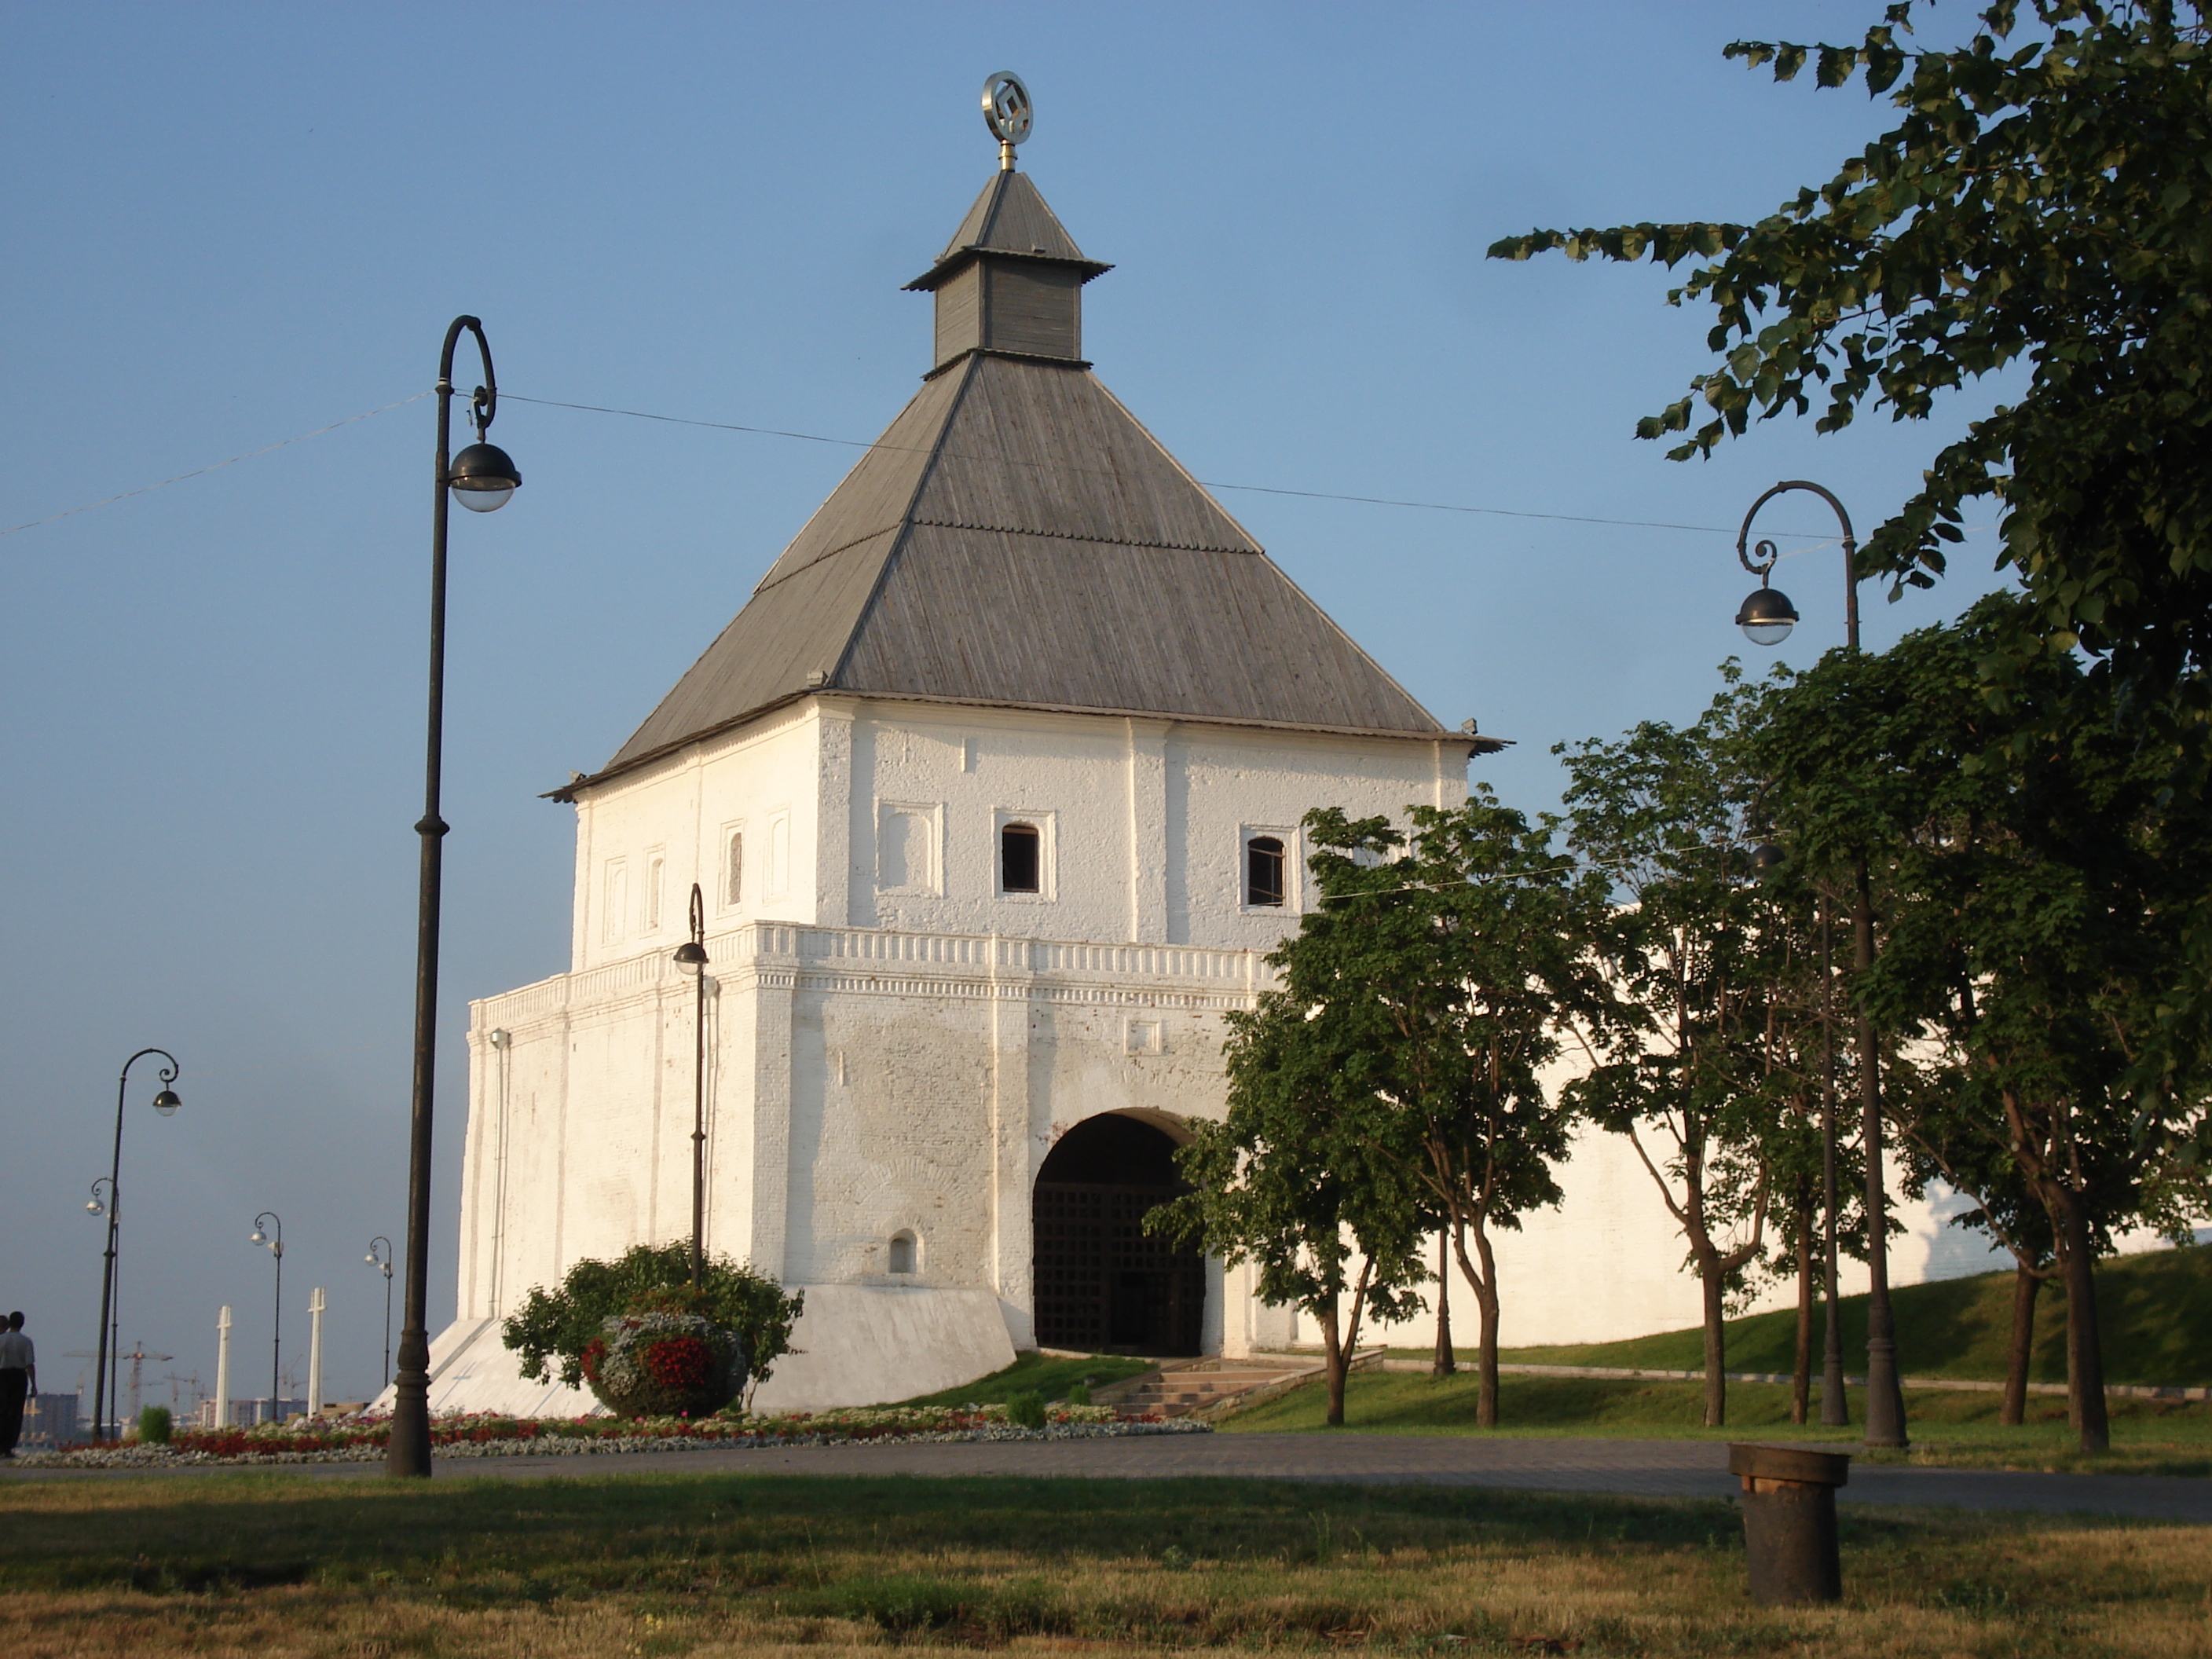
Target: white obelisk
(315,1352)
(222,1369)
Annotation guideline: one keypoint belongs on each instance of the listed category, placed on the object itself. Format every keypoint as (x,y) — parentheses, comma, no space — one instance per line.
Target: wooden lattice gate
(1105,1285)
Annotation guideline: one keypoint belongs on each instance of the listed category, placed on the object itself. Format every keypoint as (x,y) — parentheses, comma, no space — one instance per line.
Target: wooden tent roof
(1017,538)
(1010,218)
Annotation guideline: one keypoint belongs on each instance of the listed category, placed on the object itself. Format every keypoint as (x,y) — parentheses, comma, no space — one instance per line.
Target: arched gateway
(1103,1284)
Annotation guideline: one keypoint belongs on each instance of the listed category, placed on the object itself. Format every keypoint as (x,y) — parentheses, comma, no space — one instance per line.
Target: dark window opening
(1263,871)
(1019,846)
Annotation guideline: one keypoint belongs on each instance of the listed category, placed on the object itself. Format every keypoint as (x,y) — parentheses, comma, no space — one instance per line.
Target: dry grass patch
(274,1565)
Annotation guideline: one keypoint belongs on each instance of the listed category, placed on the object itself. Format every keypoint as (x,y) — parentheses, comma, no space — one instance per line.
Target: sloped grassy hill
(2154,1311)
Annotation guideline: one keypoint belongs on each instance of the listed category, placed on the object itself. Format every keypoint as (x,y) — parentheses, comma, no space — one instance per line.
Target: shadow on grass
(824,1541)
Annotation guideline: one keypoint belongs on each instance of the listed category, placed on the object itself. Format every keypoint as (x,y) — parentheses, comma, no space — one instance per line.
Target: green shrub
(553,1328)
(909,1604)
(1077,1395)
(1025,1409)
(154,1425)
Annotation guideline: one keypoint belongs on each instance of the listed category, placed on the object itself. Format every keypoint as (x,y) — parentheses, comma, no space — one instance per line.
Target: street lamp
(275,1246)
(691,960)
(482,477)
(110,1345)
(1767,616)
(384,1261)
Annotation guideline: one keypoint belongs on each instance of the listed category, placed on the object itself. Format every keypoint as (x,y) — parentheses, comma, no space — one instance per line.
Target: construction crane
(139,1356)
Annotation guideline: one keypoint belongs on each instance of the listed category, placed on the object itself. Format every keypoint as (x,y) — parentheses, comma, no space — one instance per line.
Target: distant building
(250,1413)
(49,1420)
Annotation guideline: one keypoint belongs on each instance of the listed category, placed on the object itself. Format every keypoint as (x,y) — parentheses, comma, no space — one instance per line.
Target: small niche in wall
(1144,1036)
(906,848)
(734,865)
(614,901)
(905,1253)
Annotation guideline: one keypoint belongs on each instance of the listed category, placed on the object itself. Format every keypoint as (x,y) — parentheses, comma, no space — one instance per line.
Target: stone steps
(1205,1386)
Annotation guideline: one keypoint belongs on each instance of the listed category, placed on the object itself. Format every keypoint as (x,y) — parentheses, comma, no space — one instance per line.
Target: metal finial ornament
(1008,112)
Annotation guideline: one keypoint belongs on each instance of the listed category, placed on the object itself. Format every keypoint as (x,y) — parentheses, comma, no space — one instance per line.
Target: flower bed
(362,1439)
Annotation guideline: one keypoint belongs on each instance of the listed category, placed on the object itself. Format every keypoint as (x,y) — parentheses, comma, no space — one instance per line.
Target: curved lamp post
(1766,618)
(384,1261)
(482,477)
(274,1244)
(110,1346)
(691,960)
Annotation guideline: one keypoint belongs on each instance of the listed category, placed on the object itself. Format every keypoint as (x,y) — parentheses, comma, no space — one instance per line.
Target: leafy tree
(2041,202)
(1291,1180)
(559,1324)
(1456,960)
(1946,1124)
(2039,887)
(1711,1064)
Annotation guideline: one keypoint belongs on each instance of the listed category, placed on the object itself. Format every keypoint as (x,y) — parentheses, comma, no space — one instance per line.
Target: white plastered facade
(894,1045)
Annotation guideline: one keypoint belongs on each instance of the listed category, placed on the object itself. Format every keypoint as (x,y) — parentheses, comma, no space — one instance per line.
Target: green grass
(2153,1312)
(1051,1377)
(1949,1429)
(296,1565)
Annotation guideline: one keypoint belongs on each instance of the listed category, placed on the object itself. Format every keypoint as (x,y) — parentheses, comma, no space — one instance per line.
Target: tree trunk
(1714,1282)
(2084,1353)
(1445,1363)
(1801,1380)
(1485,1303)
(1335,1362)
(2025,1285)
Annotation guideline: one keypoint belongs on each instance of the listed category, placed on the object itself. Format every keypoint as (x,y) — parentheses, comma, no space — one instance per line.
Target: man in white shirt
(18,1376)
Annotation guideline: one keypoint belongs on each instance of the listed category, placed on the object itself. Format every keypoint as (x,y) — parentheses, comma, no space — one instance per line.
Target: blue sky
(230,224)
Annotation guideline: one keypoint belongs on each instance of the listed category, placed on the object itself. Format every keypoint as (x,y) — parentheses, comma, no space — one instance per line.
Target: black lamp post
(104,1395)
(484,479)
(691,959)
(380,1255)
(274,1244)
(1766,618)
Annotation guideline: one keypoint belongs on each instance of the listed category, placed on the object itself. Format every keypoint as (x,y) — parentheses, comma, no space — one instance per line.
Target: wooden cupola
(1010,280)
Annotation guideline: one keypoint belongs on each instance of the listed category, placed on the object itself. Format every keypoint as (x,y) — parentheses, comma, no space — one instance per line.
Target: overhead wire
(212,467)
(1209,483)
(1815,540)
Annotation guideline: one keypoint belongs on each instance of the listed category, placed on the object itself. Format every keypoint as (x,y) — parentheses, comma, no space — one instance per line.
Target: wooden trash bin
(1789,1521)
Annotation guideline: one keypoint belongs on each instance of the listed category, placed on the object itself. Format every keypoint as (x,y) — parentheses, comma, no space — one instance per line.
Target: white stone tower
(992,792)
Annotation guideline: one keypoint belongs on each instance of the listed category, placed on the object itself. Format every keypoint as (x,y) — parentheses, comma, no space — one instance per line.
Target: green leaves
(1712,1049)
(2040,204)
(2037,900)
(555,1326)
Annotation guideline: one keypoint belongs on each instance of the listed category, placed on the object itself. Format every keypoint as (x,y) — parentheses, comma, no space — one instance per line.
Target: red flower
(595,1353)
(681,1362)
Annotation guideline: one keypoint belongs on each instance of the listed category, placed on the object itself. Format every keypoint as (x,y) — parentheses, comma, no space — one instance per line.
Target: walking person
(18,1376)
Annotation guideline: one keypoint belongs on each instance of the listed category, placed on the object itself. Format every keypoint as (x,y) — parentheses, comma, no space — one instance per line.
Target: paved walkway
(1664,1468)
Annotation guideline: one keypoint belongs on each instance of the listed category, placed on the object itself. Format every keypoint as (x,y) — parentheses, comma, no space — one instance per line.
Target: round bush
(662,1363)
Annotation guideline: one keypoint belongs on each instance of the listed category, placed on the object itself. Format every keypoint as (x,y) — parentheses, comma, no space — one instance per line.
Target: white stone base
(472,1370)
(865,1345)
(856,1345)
